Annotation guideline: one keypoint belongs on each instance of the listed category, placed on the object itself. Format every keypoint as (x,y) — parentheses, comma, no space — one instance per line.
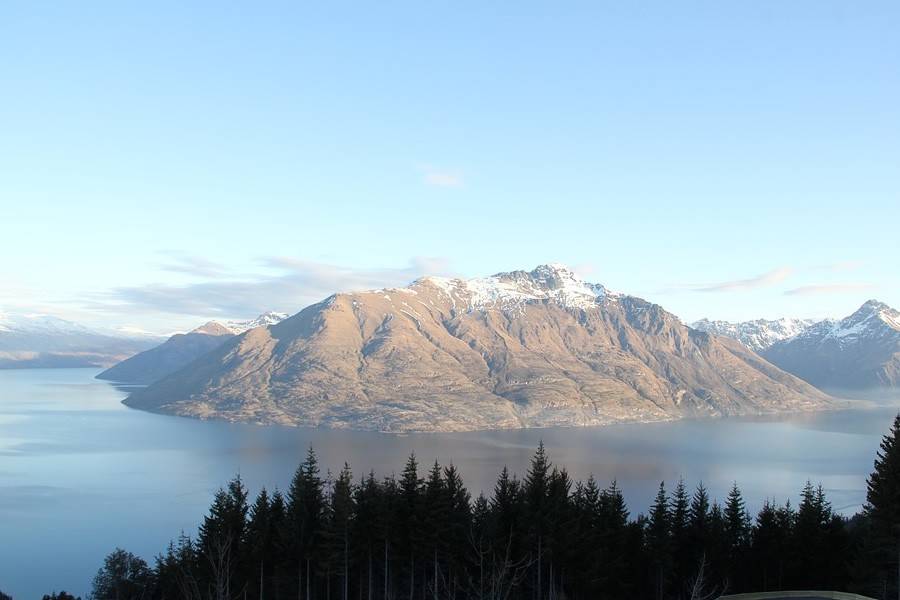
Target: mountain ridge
(44,341)
(517,349)
(181,349)
(860,351)
(757,334)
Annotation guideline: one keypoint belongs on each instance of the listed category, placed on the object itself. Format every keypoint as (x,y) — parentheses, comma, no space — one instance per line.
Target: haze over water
(81,474)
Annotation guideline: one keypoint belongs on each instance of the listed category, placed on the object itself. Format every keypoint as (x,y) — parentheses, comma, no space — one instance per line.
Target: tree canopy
(422,536)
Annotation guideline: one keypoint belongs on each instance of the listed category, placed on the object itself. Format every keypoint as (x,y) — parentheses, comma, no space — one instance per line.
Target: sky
(165,163)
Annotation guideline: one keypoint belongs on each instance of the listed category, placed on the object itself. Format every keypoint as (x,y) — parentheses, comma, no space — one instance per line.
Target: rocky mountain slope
(859,352)
(756,335)
(181,349)
(31,341)
(519,349)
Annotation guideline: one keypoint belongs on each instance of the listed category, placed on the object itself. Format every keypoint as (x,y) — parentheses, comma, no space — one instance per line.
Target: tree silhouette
(123,576)
(547,538)
(883,510)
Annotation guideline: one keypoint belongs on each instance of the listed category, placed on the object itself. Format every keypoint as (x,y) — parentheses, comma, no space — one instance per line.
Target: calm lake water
(81,474)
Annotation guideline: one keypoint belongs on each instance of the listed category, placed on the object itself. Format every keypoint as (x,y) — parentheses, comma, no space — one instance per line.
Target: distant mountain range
(857,353)
(30,341)
(756,335)
(181,349)
(519,349)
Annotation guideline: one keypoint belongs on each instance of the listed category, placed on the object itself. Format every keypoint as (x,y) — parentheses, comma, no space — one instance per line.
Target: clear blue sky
(163,163)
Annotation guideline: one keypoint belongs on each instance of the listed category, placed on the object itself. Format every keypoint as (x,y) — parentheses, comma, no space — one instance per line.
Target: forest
(422,536)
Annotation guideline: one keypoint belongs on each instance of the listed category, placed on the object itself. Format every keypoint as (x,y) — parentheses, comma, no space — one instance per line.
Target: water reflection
(80,473)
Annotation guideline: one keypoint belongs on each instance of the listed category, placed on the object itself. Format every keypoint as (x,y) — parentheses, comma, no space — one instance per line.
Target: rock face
(859,352)
(182,349)
(759,334)
(520,349)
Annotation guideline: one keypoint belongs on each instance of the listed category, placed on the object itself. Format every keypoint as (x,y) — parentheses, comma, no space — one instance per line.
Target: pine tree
(535,495)
(390,510)
(505,508)
(435,519)
(658,537)
(587,559)
(481,518)
(410,500)
(304,519)
(559,529)
(417,538)
(737,535)
(683,563)
(262,535)
(176,571)
(883,510)
(280,568)
(341,510)
(717,549)
(612,522)
(737,521)
(368,530)
(698,515)
(767,543)
(811,524)
(221,538)
(459,523)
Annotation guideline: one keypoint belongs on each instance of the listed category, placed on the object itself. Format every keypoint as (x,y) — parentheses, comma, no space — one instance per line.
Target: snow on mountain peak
(758,334)
(239,327)
(551,282)
(871,320)
(263,320)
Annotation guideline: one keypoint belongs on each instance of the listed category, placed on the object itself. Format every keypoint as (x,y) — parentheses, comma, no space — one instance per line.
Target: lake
(81,474)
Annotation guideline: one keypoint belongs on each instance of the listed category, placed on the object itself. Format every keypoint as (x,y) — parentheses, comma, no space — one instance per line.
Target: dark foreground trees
(422,537)
(880,560)
(123,575)
(61,595)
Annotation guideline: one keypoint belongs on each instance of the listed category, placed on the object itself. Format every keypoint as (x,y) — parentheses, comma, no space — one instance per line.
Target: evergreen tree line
(423,537)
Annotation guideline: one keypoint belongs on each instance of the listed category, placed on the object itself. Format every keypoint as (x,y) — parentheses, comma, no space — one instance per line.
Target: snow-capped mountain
(518,349)
(29,340)
(756,335)
(872,321)
(263,320)
(512,291)
(183,348)
(238,327)
(858,352)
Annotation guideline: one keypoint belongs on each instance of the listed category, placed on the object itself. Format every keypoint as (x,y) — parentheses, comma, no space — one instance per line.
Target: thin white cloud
(767,279)
(439,177)
(828,288)
(194,265)
(443,180)
(290,285)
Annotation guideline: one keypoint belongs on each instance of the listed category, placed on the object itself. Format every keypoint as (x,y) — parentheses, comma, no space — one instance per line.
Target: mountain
(32,341)
(181,349)
(263,320)
(756,335)
(519,349)
(859,352)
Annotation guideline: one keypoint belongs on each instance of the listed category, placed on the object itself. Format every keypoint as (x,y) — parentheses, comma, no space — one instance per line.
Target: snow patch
(509,291)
